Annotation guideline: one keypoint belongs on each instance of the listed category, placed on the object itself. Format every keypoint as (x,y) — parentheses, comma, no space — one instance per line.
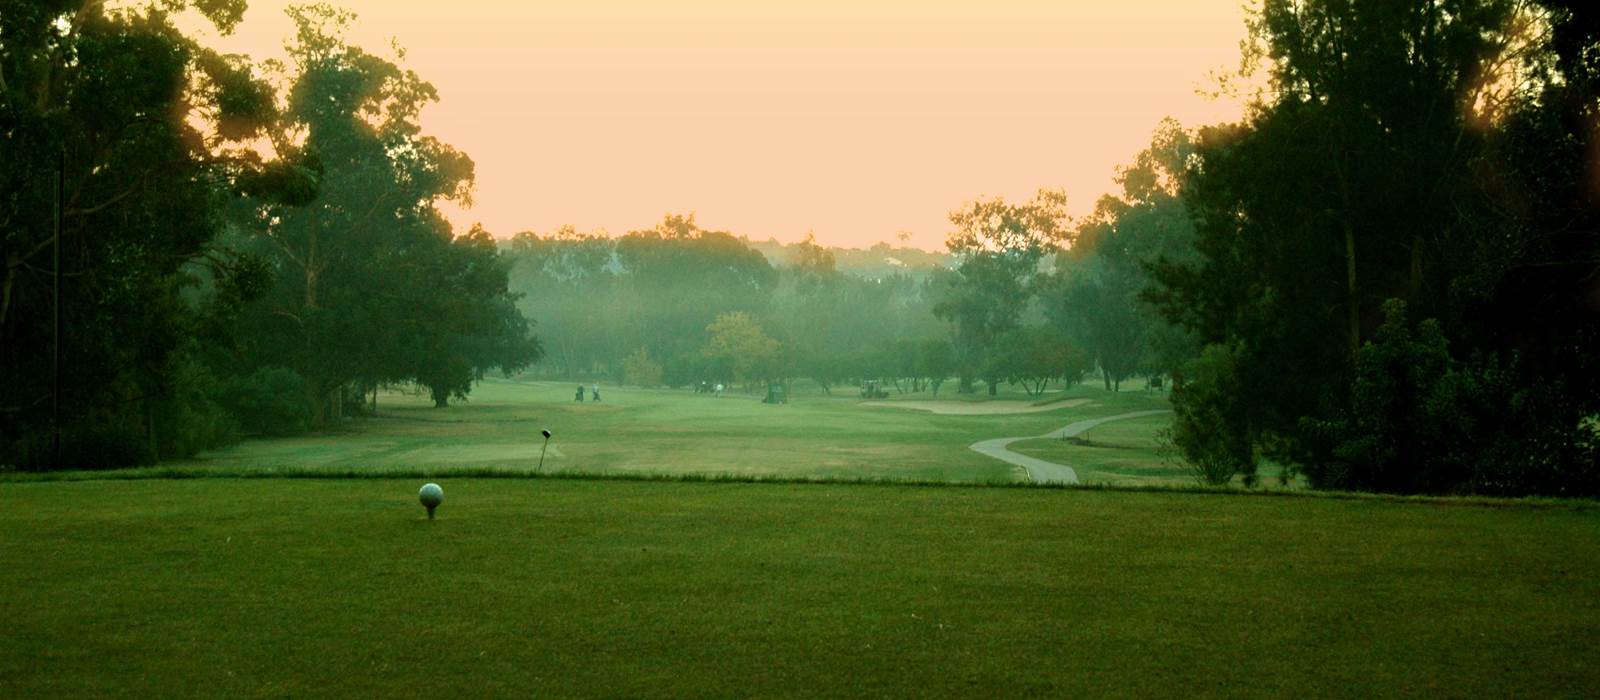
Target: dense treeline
(1397,281)
(680,306)
(677,305)
(243,247)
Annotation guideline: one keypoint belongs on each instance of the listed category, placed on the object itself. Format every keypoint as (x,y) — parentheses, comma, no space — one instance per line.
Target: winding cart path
(1039,470)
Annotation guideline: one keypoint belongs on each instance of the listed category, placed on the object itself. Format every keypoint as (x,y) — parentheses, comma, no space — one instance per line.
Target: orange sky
(856,120)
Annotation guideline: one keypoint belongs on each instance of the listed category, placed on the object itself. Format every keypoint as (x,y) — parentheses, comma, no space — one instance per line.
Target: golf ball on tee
(431,496)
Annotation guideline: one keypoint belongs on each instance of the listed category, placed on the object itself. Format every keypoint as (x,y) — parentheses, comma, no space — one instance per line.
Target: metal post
(546,434)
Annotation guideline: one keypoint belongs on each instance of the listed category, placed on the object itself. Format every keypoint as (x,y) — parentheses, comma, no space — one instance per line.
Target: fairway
(291,587)
(662,431)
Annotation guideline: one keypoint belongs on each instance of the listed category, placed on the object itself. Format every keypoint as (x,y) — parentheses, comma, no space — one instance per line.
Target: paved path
(1049,472)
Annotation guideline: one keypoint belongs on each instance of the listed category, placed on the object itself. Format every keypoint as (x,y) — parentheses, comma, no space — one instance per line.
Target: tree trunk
(1414,287)
(150,429)
(1350,286)
(13,261)
(319,405)
(311,272)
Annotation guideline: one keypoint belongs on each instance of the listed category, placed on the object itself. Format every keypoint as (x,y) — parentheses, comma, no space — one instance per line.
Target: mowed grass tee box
(595,588)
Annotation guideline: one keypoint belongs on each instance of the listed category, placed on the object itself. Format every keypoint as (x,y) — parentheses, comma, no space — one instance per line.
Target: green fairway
(225,588)
(680,432)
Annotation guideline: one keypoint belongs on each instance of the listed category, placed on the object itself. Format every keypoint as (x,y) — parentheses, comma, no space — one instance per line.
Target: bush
(640,370)
(1420,421)
(189,419)
(1212,429)
(100,441)
(270,401)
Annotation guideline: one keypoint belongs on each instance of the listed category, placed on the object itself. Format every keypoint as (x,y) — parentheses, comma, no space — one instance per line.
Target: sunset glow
(855,120)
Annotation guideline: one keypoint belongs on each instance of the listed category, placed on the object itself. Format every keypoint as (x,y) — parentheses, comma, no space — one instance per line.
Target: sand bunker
(976,408)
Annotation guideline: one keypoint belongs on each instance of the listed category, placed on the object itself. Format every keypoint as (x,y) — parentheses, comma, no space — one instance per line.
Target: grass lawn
(294,587)
(675,432)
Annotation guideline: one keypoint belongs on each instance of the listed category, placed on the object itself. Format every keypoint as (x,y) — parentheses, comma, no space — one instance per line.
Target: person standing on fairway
(579,397)
(596,389)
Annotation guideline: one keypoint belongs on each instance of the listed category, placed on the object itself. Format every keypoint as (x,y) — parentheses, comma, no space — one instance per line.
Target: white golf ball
(431,495)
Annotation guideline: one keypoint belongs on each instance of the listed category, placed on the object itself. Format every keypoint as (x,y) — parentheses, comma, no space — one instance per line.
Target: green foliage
(681,278)
(461,320)
(599,299)
(1423,151)
(1422,422)
(372,286)
(1000,246)
(740,350)
(1213,429)
(640,370)
(268,401)
(146,131)
(1035,357)
(1098,294)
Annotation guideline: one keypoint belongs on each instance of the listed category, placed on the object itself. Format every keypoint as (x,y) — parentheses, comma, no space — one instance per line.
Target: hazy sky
(856,120)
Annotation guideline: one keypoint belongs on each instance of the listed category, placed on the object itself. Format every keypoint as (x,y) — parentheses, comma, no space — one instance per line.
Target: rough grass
(290,587)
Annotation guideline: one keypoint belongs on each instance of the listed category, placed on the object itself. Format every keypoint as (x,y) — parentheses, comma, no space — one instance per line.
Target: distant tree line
(244,247)
(677,305)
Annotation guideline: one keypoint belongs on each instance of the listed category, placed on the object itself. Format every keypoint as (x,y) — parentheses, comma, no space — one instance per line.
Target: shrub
(1212,429)
(640,370)
(1420,421)
(270,401)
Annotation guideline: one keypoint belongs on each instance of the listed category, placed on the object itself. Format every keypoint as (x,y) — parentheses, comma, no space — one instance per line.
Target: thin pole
(541,454)
(55,313)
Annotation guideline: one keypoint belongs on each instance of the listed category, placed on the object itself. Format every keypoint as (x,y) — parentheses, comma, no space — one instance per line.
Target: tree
(461,320)
(1393,157)
(345,307)
(1035,356)
(641,370)
(999,246)
(936,361)
(148,133)
(679,279)
(738,347)
(1097,295)
(568,283)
